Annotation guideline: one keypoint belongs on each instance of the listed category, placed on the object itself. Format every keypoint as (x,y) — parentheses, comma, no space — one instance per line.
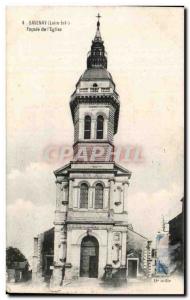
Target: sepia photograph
(95,150)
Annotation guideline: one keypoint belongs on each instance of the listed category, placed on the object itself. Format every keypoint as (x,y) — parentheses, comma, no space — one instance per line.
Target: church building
(91,221)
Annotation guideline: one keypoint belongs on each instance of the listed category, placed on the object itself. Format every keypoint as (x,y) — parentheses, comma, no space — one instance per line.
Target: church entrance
(89,257)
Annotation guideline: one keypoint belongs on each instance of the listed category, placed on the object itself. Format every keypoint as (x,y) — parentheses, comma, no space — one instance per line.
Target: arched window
(100,127)
(99,195)
(84,195)
(87,127)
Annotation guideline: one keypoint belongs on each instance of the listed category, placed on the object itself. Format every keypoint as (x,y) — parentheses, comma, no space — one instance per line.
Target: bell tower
(91,191)
(95,107)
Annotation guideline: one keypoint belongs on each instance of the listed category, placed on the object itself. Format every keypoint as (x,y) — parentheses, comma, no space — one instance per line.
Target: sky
(145,49)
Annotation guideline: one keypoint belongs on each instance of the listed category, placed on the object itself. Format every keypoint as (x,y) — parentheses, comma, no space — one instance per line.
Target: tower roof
(96,73)
(97,57)
(98,34)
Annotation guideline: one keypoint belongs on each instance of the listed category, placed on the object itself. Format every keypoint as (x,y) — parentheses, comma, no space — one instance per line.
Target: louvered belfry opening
(100,127)
(87,127)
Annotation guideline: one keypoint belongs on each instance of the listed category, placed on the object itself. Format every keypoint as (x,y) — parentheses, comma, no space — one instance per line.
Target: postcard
(95,150)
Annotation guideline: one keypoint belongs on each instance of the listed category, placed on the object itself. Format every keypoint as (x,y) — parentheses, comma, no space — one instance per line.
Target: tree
(14,255)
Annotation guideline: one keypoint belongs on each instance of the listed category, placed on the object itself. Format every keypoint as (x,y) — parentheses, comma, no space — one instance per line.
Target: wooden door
(89,257)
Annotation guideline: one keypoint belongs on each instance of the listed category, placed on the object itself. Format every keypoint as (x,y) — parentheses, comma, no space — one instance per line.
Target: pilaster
(124,249)
(71,182)
(91,197)
(109,247)
(59,194)
(105,128)
(125,190)
(111,195)
(59,254)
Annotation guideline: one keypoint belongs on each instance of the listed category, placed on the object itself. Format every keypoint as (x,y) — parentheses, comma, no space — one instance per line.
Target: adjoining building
(176,242)
(43,255)
(140,255)
(18,272)
(162,254)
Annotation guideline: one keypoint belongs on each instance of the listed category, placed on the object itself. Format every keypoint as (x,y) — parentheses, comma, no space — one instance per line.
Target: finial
(98,23)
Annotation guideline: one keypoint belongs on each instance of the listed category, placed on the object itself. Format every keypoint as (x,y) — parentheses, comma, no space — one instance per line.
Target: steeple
(95,104)
(97,57)
(98,34)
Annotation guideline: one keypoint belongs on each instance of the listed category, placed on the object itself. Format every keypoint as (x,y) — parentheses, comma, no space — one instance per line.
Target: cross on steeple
(98,23)
(98,16)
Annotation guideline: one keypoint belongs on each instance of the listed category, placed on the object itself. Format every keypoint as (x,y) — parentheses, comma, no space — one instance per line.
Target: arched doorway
(89,257)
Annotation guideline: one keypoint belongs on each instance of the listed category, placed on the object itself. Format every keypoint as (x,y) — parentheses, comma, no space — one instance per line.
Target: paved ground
(94,286)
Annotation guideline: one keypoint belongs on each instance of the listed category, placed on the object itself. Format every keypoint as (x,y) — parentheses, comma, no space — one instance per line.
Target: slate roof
(96,73)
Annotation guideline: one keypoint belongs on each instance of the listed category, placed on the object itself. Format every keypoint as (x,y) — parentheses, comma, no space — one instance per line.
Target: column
(106,196)
(69,256)
(93,128)
(124,249)
(109,247)
(81,129)
(64,196)
(63,245)
(75,196)
(57,230)
(71,193)
(123,266)
(125,189)
(111,198)
(91,196)
(105,128)
(58,256)
(59,194)
(108,267)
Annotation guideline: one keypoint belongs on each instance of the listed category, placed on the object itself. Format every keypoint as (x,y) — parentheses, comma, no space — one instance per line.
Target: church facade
(91,221)
(91,212)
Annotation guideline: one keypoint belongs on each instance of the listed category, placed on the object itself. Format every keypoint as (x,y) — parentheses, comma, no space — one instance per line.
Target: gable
(122,171)
(62,170)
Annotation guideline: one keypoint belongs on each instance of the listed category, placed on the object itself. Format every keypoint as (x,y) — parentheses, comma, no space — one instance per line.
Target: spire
(97,56)
(98,35)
